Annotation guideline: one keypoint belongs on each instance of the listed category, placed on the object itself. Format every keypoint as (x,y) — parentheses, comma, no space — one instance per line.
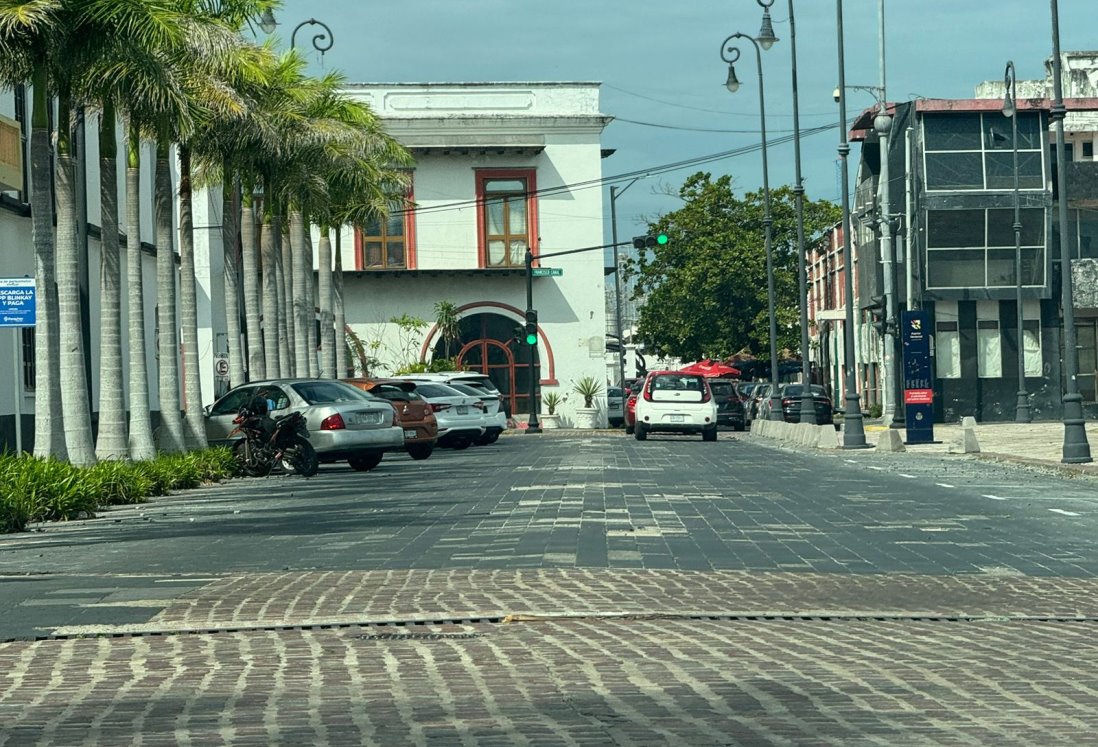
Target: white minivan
(675,402)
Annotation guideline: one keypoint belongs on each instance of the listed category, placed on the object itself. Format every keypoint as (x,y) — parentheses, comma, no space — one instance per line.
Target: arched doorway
(489,343)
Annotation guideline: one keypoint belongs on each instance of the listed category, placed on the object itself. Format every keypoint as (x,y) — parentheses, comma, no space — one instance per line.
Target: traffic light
(879,314)
(531,327)
(650,241)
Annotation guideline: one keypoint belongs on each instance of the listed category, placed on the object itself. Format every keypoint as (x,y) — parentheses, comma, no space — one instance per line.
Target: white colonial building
(499,167)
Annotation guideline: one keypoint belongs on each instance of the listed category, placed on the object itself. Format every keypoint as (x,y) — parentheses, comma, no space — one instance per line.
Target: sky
(662,76)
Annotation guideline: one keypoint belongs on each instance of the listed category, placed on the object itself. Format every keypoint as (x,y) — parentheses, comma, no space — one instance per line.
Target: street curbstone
(889,440)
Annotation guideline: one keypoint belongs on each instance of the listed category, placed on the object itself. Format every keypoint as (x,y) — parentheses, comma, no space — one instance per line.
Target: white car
(495,420)
(460,417)
(497,413)
(675,402)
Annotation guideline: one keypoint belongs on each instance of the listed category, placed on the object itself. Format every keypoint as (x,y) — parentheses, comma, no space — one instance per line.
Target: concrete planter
(587,417)
(550,421)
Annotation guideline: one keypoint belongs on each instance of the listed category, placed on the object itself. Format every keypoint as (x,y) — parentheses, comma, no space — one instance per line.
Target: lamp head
(267,21)
(836,94)
(766,37)
(733,83)
(1009,106)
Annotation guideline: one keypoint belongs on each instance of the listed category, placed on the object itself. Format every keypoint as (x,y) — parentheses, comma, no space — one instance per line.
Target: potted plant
(588,387)
(551,400)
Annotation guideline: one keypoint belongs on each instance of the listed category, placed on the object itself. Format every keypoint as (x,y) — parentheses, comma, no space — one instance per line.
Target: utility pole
(882,123)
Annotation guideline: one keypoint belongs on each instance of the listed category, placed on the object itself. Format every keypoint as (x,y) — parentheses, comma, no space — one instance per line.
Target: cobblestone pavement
(563,682)
(569,591)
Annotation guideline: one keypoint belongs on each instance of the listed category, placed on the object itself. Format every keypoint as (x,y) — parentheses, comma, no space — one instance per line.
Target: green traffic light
(661,238)
(531,339)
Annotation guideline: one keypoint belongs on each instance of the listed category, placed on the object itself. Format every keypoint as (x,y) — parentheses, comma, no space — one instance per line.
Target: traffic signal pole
(534,425)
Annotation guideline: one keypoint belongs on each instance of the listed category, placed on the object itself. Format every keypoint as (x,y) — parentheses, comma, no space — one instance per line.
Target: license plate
(409,432)
(462,410)
(678,418)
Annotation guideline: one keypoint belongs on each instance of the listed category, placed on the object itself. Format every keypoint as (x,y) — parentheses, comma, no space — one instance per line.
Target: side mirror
(206,410)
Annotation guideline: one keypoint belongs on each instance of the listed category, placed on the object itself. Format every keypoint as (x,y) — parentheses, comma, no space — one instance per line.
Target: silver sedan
(344,422)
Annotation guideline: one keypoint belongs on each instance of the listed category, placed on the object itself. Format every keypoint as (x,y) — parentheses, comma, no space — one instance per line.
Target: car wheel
(741,427)
(487,438)
(365,462)
(709,434)
(640,432)
(461,443)
(420,451)
(629,430)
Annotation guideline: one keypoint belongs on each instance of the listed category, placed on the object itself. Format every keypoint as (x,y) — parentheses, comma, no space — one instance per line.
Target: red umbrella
(710,368)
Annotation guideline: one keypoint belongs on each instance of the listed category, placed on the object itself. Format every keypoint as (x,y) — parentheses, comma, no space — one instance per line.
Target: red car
(630,413)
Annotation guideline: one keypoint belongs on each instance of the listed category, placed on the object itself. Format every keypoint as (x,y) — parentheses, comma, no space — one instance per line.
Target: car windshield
(327,392)
(722,388)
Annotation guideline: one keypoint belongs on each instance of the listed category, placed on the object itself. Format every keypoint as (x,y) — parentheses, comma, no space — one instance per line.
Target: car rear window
(394,393)
(473,391)
(721,388)
(436,390)
(325,392)
(479,383)
(614,392)
(678,382)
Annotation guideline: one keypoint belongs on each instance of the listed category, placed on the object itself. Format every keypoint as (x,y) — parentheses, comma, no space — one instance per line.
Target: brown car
(413,413)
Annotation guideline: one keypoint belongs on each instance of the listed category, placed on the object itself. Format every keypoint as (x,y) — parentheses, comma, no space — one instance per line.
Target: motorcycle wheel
(249,467)
(301,458)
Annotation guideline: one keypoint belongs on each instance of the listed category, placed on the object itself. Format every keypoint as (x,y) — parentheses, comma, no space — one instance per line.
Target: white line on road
(1062,511)
(879,469)
(909,477)
(944,485)
(994,497)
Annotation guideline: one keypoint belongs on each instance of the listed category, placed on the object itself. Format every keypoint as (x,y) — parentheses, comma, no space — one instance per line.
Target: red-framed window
(390,243)
(507,223)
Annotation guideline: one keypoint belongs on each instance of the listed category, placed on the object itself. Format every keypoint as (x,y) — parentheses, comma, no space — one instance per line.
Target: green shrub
(34,489)
(118,483)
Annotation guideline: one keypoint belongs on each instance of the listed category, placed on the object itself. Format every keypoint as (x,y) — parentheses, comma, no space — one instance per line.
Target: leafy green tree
(705,291)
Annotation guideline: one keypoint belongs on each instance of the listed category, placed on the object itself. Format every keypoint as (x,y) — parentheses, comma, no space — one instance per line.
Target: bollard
(890,441)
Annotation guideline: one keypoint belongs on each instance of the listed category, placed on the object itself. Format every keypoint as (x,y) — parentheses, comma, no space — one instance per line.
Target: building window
(507,217)
(989,341)
(389,243)
(947,341)
(974,151)
(975,248)
(28,358)
(1088,151)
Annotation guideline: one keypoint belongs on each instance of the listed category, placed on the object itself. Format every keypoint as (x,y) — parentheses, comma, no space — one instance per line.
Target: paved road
(568,591)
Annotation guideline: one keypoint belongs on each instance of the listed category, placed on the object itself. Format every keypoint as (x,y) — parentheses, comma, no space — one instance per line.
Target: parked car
(413,413)
(730,406)
(343,422)
(631,413)
(759,394)
(615,406)
(791,404)
(675,402)
(492,416)
(460,417)
(497,414)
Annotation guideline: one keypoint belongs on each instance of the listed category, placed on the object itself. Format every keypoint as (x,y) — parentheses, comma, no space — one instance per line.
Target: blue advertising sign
(918,377)
(17,302)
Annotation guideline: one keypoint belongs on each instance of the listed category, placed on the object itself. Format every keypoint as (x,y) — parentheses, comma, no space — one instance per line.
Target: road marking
(994,497)
(850,461)
(879,469)
(909,477)
(944,485)
(1062,511)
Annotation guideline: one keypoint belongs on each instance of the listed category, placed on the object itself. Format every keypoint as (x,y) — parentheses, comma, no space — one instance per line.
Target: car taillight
(647,391)
(333,423)
(787,402)
(707,393)
(439,407)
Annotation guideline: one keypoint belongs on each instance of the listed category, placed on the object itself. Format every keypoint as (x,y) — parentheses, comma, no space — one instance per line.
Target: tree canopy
(704,293)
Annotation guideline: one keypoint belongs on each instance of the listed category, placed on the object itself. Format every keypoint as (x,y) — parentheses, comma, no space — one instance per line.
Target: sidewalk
(1037,444)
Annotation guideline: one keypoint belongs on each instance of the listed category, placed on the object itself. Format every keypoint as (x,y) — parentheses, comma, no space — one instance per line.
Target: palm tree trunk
(310,305)
(142,445)
(74,382)
(171,424)
(299,288)
(111,440)
(249,260)
(338,311)
(286,330)
(270,301)
(229,239)
(324,290)
(49,432)
(194,430)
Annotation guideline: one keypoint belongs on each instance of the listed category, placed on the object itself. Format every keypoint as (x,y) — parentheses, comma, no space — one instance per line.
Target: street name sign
(546,272)
(17,302)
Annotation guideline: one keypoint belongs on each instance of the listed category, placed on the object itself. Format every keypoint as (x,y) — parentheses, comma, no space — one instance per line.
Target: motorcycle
(268,443)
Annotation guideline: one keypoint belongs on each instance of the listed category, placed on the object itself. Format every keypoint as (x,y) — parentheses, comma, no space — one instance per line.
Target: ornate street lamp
(730,54)
(853,428)
(1010,109)
(321,42)
(1076,447)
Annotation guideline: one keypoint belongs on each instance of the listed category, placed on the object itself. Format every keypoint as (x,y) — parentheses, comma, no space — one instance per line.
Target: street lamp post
(1010,109)
(853,428)
(1076,449)
(730,54)
(614,195)
(321,42)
